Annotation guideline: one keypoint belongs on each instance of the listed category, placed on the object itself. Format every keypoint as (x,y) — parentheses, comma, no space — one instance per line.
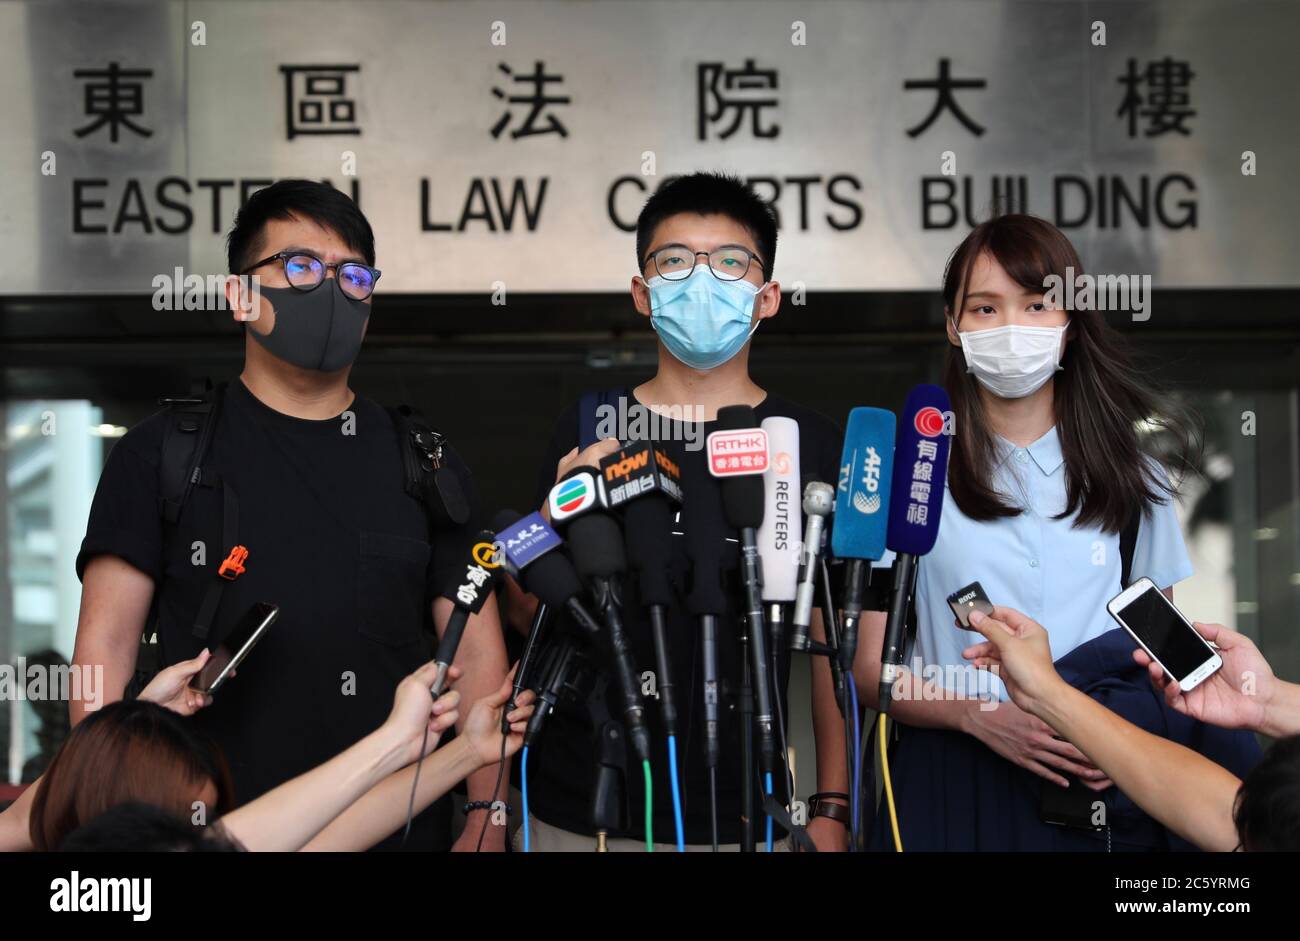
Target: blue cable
(523,786)
(856,770)
(677,794)
(769,818)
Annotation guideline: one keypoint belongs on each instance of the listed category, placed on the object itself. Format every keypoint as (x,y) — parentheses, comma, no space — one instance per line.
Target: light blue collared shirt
(1060,576)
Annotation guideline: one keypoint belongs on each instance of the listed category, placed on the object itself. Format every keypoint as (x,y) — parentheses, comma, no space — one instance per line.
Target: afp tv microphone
(916,501)
(861,512)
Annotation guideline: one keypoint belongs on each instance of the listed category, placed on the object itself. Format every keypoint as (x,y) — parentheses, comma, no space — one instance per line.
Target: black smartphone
(235,647)
(965,600)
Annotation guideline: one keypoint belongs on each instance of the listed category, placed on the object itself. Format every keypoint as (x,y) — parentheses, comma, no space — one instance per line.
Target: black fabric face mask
(319,329)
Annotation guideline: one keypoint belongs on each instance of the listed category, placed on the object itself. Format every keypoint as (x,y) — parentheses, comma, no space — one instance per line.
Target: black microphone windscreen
(504,519)
(742,497)
(596,545)
(706,546)
(647,523)
(552,579)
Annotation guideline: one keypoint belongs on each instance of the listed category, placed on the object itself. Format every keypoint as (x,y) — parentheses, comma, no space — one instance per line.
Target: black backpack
(191,423)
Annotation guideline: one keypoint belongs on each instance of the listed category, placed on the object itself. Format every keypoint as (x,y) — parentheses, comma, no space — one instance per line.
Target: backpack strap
(425,475)
(1127,545)
(590,406)
(191,423)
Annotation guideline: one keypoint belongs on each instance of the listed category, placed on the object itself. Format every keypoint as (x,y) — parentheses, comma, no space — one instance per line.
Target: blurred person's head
(706,245)
(1267,813)
(313,252)
(137,827)
(130,751)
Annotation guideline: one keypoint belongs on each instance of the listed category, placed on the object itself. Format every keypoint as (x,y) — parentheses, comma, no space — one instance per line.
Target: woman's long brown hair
(1100,395)
(128,751)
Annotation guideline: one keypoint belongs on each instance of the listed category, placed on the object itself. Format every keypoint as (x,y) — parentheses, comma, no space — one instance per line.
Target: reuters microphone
(861,512)
(916,501)
(778,537)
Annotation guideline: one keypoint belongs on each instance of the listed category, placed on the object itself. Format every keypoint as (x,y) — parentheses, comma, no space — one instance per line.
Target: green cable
(649,813)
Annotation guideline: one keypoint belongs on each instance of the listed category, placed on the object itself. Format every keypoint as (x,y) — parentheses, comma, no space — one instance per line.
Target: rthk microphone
(778,537)
(739,455)
(861,512)
(482,571)
(920,469)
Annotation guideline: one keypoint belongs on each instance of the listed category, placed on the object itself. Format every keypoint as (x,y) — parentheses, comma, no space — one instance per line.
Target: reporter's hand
(590,456)
(483,725)
(1027,741)
(1018,651)
(170,687)
(1222,699)
(415,709)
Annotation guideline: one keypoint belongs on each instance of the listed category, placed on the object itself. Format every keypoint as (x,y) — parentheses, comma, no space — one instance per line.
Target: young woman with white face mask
(1046,472)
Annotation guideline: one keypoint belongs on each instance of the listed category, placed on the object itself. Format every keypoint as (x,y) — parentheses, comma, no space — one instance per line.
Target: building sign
(511,145)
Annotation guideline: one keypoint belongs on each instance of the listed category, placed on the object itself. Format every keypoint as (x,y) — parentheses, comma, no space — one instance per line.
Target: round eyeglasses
(727,262)
(305,272)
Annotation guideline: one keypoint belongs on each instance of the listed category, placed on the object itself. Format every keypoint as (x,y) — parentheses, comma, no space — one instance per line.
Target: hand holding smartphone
(1162,631)
(235,647)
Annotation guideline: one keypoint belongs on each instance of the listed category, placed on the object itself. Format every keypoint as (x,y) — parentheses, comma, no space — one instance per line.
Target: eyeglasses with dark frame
(305,271)
(675,262)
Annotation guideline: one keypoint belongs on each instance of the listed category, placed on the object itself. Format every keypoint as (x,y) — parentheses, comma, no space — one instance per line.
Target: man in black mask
(310,479)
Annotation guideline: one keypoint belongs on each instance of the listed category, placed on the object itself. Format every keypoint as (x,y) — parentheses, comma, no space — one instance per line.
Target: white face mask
(1012,362)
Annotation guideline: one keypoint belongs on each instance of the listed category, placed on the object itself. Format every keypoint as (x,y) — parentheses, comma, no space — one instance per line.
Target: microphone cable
(889,784)
(523,787)
(649,809)
(677,793)
(501,771)
(855,772)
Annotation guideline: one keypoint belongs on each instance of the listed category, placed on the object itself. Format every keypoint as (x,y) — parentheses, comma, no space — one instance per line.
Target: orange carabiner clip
(233,566)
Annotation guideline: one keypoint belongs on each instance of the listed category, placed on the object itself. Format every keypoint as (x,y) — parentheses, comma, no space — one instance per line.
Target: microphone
(778,546)
(707,601)
(916,501)
(738,457)
(647,483)
(597,547)
(861,512)
(818,504)
(481,573)
(528,543)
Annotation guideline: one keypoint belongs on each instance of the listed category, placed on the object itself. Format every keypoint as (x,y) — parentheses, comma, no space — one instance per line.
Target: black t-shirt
(332,538)
(561,773)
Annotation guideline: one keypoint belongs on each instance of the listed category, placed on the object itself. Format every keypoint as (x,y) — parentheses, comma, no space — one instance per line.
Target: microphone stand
(750,772)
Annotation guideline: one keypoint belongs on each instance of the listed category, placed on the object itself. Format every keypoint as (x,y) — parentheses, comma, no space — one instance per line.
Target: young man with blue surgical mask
(705,248)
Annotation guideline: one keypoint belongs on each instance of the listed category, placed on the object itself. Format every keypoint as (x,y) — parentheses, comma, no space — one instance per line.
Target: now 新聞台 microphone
(916,501)
(861,512)
(646,483)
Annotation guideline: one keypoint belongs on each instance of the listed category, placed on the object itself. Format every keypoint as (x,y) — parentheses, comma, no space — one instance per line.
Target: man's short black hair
(1268,805)
(305,199)
(143,828)
(709,194)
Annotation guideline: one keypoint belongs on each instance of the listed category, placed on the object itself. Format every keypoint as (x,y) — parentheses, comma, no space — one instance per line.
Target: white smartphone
(231,652)
(1167,636)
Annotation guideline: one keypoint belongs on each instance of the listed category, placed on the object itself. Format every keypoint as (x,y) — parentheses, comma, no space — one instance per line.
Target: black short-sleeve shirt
(561,773)
(332,538)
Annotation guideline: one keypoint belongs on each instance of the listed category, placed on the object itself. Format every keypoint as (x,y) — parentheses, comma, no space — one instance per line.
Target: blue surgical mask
(702,320)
